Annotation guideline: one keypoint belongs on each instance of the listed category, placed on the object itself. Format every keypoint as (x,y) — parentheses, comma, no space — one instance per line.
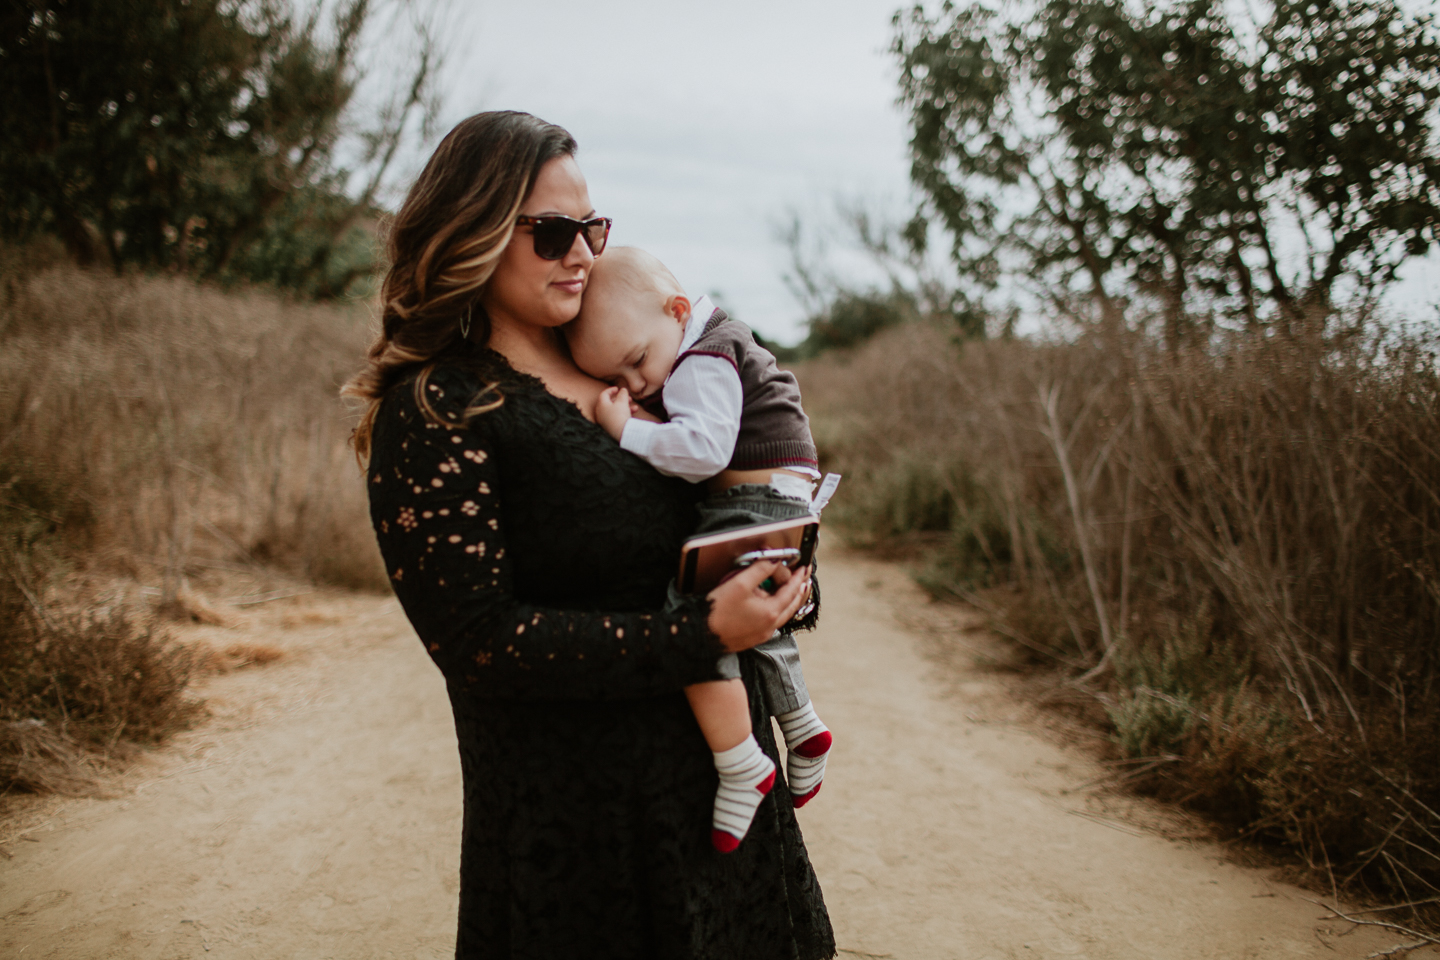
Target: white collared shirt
(704,400)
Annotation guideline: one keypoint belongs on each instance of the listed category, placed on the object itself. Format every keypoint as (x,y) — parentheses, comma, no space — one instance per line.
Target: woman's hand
(744,615)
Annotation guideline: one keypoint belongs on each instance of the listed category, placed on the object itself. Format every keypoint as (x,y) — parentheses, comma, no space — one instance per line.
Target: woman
(532,556)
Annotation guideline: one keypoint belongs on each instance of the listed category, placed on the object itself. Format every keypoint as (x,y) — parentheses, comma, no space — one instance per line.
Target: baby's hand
(612,410)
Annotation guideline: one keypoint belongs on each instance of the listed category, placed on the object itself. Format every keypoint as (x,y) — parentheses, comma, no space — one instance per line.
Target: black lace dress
(532,556)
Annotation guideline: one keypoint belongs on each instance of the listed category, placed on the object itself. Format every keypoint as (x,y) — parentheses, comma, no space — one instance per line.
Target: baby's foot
(746,776)
(807,741)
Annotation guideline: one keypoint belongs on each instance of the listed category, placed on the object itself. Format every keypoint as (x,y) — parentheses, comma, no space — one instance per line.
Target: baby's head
(631,321)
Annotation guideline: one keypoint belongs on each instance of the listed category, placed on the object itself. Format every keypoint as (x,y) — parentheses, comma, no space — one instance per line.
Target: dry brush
(1235,548)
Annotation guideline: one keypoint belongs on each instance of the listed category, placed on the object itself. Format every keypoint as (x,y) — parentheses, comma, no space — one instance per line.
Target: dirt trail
(316,815)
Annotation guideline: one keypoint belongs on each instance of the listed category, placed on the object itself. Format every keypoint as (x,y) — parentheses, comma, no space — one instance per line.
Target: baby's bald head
(633,307)
(625,279)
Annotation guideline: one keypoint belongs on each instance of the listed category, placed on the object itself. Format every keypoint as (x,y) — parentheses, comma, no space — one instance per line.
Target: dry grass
(166,425)
(152,429)
(237,656)
(1236,549)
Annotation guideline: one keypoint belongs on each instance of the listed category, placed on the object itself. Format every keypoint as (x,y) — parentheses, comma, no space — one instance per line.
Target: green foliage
(1163,152)
(842,314)
(905,494)
(194,135)
(854,316)
(1165,693)
(914,497)
(316,243)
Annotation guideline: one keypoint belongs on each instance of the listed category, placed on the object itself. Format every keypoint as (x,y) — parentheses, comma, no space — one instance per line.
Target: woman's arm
(436,509)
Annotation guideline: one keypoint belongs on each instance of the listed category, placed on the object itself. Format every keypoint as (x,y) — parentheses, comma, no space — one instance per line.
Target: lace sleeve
(435,504)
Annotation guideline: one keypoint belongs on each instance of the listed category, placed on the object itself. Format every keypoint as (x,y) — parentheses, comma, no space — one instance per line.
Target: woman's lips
(571,286)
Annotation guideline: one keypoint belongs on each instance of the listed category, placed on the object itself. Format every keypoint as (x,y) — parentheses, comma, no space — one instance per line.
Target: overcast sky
(702,125)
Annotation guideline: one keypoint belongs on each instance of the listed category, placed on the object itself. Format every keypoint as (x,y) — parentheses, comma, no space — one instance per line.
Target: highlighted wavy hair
(443,247)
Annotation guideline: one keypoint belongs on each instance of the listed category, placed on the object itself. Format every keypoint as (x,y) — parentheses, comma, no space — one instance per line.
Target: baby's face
(625,343)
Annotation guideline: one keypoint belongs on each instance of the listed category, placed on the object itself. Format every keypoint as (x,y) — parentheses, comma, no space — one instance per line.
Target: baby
(735,419)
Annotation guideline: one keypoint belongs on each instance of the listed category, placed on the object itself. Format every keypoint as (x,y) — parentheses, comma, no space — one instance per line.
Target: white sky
(700,125)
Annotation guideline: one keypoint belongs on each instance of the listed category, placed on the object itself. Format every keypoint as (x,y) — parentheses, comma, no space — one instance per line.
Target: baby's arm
(703,399)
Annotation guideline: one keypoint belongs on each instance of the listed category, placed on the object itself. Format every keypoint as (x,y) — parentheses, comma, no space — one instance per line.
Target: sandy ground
(316,814)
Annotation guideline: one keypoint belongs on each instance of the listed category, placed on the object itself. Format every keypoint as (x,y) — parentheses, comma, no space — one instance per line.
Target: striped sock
(746,776)
(807,742)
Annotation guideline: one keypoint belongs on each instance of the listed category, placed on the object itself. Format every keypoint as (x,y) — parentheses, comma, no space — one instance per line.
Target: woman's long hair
(443,247)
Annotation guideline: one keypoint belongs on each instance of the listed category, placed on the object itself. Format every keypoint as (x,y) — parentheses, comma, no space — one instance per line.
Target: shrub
(81,689)
(76,687)
(853,316)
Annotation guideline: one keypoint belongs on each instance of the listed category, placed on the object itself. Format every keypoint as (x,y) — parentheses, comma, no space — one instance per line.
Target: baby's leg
(807,739)
(746,774)
(723,712)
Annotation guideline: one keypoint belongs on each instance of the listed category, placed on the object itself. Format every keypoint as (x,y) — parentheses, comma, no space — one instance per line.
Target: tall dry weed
(169,424)
(1235,546)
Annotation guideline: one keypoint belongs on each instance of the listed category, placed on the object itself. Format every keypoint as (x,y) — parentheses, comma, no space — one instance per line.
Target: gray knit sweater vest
(774,431)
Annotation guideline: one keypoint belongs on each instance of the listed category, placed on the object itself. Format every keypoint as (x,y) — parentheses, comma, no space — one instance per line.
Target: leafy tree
(197,135)
(1221,170)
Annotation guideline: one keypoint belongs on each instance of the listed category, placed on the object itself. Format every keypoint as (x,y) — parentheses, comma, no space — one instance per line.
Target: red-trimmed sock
(807,742)
(746,776)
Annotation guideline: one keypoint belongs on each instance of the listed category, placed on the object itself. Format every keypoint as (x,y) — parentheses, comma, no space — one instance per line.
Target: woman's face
(526,289)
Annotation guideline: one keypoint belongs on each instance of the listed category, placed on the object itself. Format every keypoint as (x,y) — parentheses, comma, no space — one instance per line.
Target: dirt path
(316,815)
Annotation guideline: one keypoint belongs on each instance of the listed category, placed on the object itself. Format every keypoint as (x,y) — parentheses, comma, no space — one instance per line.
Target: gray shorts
(779,657)
(747,503)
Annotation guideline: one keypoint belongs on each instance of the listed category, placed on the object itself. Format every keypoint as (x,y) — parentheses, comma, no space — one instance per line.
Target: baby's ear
(678,306)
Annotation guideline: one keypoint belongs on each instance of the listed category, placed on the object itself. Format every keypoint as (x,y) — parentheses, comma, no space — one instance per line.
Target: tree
(841,312)
(196,135)
(1219,170)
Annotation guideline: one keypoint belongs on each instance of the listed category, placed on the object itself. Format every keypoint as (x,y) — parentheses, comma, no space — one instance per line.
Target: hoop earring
(465,322)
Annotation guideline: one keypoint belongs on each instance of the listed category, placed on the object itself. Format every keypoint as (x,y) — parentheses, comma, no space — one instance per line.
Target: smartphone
(709,558)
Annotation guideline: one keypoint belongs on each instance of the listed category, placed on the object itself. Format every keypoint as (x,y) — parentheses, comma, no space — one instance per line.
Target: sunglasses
(555,234)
